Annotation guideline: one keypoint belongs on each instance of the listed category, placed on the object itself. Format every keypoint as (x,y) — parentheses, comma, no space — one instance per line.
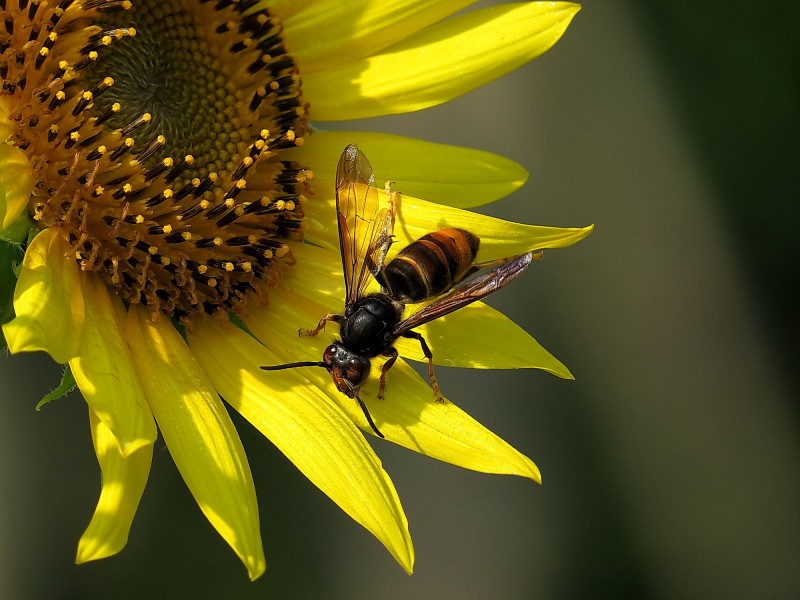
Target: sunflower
(176,213)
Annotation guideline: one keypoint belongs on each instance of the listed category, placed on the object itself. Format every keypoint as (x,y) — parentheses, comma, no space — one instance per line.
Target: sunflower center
(175,73)
(154,131)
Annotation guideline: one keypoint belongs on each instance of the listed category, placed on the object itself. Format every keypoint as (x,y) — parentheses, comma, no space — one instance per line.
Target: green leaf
(19,230)
(238,322)
(65,387)
(10,256)
(13,241)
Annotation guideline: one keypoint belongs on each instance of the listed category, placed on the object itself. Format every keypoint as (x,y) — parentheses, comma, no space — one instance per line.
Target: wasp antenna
(364,408)
(305,363)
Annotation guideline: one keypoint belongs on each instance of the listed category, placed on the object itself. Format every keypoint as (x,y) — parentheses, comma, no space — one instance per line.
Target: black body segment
(368,324)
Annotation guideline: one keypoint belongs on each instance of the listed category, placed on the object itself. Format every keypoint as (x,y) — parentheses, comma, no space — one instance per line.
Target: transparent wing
(364,228)
(466,293)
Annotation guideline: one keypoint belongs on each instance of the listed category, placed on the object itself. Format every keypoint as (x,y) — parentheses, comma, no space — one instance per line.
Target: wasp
(437,264)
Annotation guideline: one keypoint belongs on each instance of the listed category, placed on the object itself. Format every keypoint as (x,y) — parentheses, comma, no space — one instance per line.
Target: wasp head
(348,369)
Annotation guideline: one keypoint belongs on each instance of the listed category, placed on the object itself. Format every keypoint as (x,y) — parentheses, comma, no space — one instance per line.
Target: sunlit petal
(48,300)
(450,175)
(412,418)
(123,482)
(499,238)
(105,373)
(199,434)
(331,32)
(440,63)
(480,337)
(16,181)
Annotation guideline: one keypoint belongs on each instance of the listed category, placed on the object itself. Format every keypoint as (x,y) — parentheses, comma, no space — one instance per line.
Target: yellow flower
(162,148)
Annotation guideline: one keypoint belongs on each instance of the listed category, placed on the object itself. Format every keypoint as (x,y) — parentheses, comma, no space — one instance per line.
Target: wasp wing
(466,293)
(364,229)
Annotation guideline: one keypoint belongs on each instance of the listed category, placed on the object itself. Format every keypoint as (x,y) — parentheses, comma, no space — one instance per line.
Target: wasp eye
(329,353)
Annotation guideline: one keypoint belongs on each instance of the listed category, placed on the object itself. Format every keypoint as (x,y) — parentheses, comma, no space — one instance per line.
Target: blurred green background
(671,465)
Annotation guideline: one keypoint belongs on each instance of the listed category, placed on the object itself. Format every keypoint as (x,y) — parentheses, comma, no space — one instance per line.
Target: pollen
(156,133)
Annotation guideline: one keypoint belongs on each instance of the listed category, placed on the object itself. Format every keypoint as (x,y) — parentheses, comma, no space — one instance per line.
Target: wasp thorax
(154,131)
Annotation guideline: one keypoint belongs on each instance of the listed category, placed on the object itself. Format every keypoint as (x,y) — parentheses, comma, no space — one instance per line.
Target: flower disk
(153,135)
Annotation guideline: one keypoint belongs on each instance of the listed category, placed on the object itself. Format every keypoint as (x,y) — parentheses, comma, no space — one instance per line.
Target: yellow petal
(408,416)
(123,482)
(499,238)
(48,300)
(440,63)
(285,9)
(16,181)
(416,217)
(105,372)
(332,32)
(317,280)
(440,173)
(411,418)
(480,337)
(6,126)
(310,430)
(199,434)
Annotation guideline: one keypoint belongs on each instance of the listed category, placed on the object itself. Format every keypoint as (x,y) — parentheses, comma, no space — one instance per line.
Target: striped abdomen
(431,265)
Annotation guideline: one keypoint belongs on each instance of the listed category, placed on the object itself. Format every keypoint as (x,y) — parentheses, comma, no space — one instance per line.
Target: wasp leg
(393,198)
(321,325)
(437,393)
(392,354)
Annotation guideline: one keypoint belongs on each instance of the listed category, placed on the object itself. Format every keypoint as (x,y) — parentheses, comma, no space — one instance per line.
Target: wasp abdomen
(431,265)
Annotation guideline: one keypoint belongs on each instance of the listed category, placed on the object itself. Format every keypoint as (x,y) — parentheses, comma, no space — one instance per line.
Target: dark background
(671,465)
